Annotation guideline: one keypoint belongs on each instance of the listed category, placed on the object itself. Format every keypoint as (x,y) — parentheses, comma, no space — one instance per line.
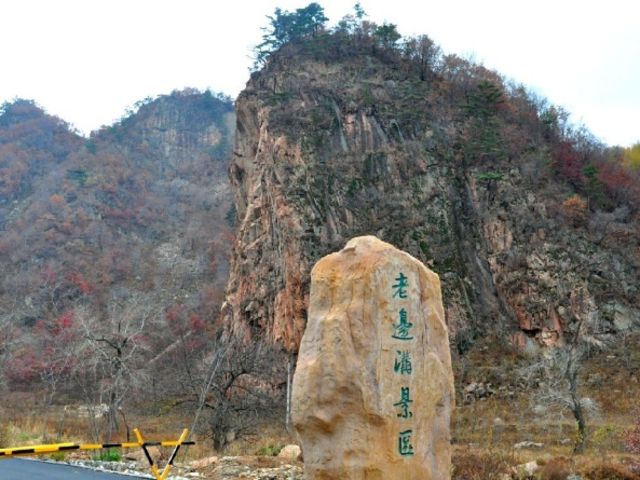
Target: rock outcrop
(373,389)
(330,146)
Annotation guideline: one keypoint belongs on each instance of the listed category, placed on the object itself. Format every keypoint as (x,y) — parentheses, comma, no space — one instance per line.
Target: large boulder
(373,388)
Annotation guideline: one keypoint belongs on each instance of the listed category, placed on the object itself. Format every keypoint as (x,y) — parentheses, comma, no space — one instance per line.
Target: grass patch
(607,471)
(58,456)
(108,455)
(270,450)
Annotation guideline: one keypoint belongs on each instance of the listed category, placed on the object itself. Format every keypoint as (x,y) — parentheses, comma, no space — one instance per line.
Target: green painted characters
(400,288)
(402,363)
(402,331)
(404,443)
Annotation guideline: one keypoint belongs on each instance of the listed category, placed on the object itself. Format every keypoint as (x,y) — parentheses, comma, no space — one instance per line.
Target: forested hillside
(112,248)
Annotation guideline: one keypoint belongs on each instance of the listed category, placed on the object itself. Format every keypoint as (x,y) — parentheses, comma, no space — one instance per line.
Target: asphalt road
(17,469)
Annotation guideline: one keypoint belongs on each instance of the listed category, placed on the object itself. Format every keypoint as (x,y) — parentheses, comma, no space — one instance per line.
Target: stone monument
(373,387)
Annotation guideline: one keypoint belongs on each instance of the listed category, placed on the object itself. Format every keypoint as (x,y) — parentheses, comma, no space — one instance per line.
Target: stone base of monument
(373,388)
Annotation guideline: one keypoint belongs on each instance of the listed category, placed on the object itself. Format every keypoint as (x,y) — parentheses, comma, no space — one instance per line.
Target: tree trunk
(576,406)
(288,410)
(582,432)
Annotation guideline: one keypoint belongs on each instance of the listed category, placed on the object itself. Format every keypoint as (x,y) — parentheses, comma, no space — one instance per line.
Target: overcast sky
(86,61)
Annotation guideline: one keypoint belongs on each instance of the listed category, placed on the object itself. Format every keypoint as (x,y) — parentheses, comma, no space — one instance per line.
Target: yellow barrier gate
(141,443)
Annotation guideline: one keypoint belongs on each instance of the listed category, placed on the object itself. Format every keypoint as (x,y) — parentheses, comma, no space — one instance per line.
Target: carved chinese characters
(373,389)
(402,364)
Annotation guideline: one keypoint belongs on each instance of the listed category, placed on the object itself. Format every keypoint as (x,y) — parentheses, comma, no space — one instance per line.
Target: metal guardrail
(141,443)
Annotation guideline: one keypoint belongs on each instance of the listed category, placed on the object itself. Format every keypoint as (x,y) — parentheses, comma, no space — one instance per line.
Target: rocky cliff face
(182,131)
(359,144)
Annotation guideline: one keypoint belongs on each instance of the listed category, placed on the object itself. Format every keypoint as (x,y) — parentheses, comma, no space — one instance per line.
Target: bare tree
(246,387)
(558,377)
(202,392)
(425,54)
(6,341)
(117,352)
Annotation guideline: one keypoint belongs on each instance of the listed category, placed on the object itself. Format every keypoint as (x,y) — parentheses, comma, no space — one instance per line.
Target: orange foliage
(575,209)
(56,199)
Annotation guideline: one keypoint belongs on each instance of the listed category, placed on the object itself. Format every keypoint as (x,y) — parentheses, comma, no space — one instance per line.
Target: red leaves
(568,163)
(197,324)
(619,183)
(49,353)
(23,367)
(191,327)
(61,330)
(173,314)
(49,276)
(617,179)
(65,321)
(632,439)
(81,282)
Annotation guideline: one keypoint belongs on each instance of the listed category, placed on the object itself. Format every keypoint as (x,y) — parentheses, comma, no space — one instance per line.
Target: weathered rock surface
(290,452)
(328,149)
(527,444)
(527,470)
(373,388)
(204,462)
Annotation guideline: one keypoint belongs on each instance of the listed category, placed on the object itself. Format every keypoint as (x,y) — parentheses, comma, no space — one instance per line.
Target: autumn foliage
(632,156)
(575,209)
(49,352)
(127,214)
(568,163)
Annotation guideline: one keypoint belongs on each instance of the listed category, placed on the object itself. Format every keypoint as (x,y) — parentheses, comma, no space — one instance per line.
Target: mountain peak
(20,110)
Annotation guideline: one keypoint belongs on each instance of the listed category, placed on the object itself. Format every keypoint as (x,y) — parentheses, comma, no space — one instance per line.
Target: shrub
(556,469)
(606,437)
(608,471)
(481,466)
(632,439)
(108,455)
(58,456)
(568,163)
(270,450)
(574,209)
